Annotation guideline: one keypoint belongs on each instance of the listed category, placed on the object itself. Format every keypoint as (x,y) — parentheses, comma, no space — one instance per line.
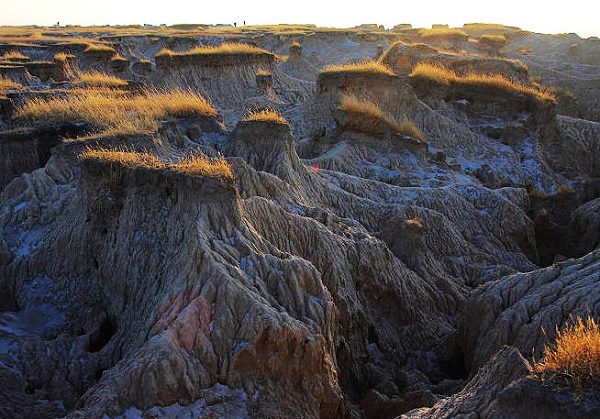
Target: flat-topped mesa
(224,55)
(264,140)
(492,93)
(368,75)
(197,177)
(444,36)
(402,57)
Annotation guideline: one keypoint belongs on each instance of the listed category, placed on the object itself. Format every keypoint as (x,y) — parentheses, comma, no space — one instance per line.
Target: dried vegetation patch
(445,75)
(575,355)
(194,165)
(367,67)
(265,115)
(118,114)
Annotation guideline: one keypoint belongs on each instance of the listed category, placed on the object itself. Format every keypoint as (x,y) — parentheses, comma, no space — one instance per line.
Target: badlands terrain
(298,222)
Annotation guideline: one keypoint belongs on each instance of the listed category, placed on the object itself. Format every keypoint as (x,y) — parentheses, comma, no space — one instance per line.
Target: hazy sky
(549,16)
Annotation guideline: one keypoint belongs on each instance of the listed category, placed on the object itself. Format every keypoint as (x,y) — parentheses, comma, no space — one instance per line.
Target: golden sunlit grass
(118,57)
(409,128)
(62,56)
(232,48)
(117,115)
(194,165)
(444,75)
(490,38)
(98,79)
(371,110)
(442,33)
(369,66)
(265,115)
(353,104)
(13,55)
(575,354)
(6,85)
(263,72)
(91,48)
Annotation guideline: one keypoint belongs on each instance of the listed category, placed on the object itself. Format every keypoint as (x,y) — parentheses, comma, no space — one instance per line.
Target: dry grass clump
(6,85)
(368,66)
(575,354)
(62,56)
(98,79)
(265,115)
(13,55)
(444,75)
(490,38)
(165,52)
(353,104)
(409,128)
(369,109)
(117,115)
(118,57)
(443,33)
(226,48)
(263,72)
(198,165)
(98,48)
(194,165)
(141,159)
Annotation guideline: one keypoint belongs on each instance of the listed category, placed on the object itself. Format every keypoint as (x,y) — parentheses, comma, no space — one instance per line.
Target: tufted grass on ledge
(575,355)
(118,57)
(444,75)
(193,165)
(226,48)
(443,33)
(368,67)
(368,108)
(13,55)
(263,72)
(265,115)
(62,56)
(91,48)
(118,114)
(98,79)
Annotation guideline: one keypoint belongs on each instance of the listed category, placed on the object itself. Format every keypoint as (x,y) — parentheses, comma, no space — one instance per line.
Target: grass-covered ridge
(226,48)
(265,115)
(13,55)
(98,79)
(444,75)
(193,165)
(92,48)
(119,115)
(575,355)
(367,67)
(443,33)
